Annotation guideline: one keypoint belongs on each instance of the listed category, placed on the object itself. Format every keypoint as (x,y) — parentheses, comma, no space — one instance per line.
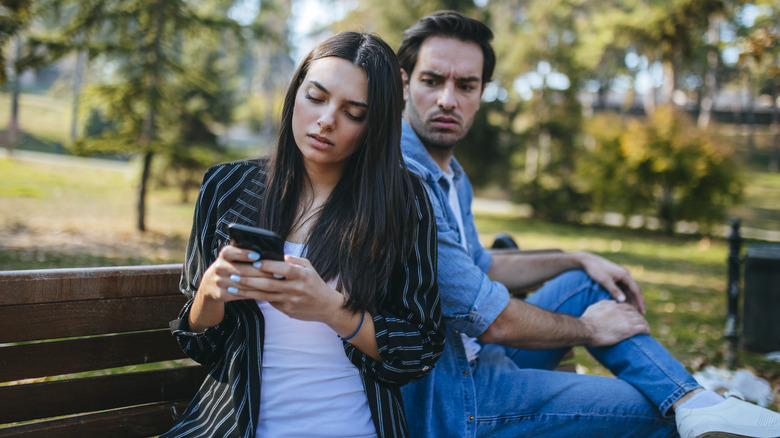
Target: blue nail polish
(235,278)
(257,264)
(254,256)
(232,289)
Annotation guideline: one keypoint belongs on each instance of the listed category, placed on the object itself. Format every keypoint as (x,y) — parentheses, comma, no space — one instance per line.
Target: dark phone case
(267,243)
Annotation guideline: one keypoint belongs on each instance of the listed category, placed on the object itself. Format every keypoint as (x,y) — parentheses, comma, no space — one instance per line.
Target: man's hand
(615,279)
(610,322)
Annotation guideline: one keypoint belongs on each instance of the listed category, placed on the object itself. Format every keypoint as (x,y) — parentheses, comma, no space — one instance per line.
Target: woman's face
(329,117)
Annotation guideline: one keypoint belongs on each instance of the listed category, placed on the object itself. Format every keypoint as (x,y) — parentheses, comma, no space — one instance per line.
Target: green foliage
(662,166)
(97,124)
(14,16)
(172,71)
(486,150)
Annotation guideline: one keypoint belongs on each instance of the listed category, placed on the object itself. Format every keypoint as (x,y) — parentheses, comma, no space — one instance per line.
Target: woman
(317,344)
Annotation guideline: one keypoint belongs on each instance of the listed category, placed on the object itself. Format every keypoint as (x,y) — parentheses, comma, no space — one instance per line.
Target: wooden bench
(70,323)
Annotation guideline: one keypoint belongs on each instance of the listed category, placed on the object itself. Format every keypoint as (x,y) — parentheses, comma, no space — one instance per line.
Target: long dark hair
(360,231)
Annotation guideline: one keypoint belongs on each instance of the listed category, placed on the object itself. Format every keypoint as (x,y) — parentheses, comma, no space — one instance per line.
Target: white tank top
(309,388)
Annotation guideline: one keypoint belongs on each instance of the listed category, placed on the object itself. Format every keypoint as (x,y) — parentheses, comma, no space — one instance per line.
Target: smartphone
(266,243)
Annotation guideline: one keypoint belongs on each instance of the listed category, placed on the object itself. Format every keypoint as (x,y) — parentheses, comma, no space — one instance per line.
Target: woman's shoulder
(242,166)
(226,175)
(417,184)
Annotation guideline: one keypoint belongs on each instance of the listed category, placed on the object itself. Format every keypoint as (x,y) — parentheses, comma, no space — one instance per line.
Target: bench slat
(32,322)
(77,355)
(141,421)
(66,397)
(91,319)
(55,285)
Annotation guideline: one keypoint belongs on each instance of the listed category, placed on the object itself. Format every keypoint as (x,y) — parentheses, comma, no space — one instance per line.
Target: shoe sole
(721,435)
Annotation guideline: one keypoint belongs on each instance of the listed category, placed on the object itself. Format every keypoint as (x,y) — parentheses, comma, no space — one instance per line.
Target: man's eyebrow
(440,76)
(351,102)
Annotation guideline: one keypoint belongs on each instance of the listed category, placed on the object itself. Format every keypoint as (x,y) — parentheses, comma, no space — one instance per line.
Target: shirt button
(471,418)
(456,332)
(465,373)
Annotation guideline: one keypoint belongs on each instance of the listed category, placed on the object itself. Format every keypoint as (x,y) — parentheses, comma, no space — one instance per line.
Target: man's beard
(433,143)
(442,142)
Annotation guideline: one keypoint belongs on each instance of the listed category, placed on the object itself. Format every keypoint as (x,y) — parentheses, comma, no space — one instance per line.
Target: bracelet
(356,330)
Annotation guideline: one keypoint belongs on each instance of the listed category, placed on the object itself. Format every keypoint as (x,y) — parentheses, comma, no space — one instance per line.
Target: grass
(47,116)
(68,215)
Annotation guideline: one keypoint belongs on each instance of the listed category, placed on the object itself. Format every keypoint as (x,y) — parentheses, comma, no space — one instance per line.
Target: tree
(15,18)
(760,56)
(663,166)
(146,44)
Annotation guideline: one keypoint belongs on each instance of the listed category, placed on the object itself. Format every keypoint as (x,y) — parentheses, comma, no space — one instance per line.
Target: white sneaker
(729,419)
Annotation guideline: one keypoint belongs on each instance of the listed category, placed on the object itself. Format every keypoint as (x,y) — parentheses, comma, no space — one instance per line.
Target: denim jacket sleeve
(470,300)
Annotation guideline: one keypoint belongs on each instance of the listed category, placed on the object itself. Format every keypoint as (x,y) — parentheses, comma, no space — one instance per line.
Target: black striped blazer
(408,329)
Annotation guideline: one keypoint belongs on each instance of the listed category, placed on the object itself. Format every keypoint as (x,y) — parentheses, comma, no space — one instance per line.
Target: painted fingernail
(232,289)
(254,256)
(280,277)
(257,264)
(235,277)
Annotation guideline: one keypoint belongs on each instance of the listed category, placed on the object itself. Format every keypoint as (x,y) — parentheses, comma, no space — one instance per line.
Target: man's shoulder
(416,167)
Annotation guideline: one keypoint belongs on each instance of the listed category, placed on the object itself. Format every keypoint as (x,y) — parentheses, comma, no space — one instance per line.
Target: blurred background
(635,129)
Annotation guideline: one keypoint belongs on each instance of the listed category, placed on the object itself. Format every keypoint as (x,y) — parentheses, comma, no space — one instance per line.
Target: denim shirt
(444,402)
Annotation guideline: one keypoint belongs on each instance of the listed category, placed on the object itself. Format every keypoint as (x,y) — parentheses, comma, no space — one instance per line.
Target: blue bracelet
(356,330)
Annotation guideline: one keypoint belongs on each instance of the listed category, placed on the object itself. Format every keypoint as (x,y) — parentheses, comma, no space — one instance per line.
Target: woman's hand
(221,283)
(293,287)
(296,289)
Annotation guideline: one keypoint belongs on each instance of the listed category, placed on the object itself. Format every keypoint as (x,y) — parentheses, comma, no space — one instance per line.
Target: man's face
(444,91)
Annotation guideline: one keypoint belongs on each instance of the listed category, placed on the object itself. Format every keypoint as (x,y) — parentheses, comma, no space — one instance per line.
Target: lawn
(54,215)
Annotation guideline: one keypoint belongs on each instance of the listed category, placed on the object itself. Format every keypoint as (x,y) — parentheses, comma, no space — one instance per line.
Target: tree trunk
(775,130)
(666,212)
(149,133)
(750,119)
(12,135)
(142,186)
(78,82)
(667,89)
(705,114)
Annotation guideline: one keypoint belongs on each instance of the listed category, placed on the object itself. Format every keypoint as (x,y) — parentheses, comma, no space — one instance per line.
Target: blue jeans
(518,395)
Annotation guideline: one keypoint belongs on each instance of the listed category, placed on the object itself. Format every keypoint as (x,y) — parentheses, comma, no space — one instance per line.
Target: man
(495,377)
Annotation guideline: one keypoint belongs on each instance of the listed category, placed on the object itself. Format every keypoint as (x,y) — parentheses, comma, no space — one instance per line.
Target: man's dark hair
(447,24)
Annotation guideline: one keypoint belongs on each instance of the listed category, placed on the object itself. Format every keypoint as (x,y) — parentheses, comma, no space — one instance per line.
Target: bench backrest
(57,322)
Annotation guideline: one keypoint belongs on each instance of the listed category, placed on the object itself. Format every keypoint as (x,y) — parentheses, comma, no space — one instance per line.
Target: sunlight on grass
(69,215)
(47,116)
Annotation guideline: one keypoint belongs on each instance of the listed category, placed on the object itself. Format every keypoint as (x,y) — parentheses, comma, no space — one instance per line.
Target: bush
(661,166)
